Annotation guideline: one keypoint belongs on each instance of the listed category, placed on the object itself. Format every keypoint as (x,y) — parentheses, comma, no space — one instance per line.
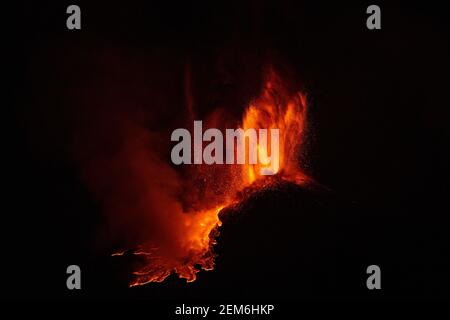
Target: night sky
(377,143)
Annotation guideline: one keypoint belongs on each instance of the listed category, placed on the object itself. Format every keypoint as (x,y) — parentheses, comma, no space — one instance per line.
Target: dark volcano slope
(288,241)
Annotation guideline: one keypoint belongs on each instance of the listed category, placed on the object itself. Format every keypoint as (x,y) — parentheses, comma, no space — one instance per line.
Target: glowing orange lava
(275,108)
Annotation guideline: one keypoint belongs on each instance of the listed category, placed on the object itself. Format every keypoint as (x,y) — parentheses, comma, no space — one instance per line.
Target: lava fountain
(195,220)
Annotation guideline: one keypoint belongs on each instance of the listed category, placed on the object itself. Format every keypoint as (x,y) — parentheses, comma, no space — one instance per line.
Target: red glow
(192,223)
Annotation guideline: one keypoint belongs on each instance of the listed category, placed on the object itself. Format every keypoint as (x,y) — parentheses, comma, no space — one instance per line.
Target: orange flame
(275,108)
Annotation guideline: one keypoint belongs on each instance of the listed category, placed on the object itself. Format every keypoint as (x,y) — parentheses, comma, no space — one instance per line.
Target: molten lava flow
(197,224)
(196,249)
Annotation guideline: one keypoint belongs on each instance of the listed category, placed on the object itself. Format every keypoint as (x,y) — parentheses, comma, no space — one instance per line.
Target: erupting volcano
(166,217)
(198,223)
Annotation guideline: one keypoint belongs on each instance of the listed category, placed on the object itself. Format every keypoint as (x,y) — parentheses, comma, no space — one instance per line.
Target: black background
(378,139)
